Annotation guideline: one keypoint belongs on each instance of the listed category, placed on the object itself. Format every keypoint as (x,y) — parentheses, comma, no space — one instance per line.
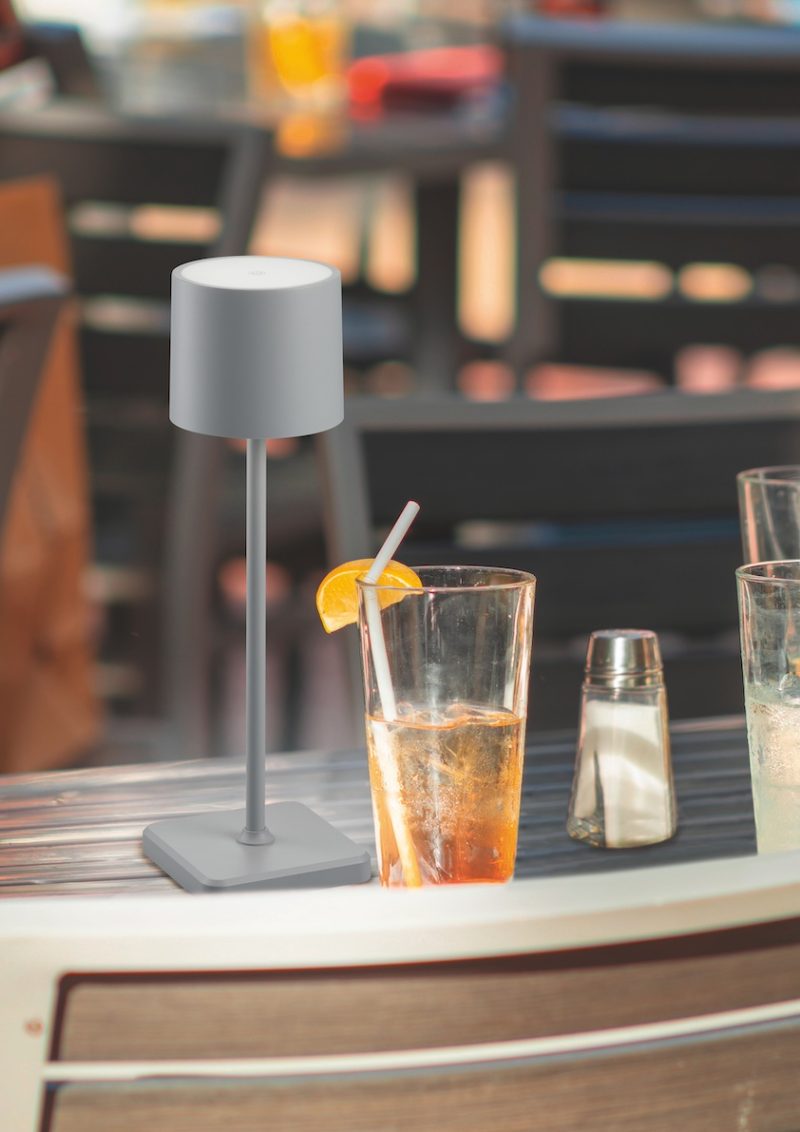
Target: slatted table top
(79,832)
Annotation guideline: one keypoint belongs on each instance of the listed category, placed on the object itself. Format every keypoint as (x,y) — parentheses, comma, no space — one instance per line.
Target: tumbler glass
(769,617)
(769,513)
(298,52)
(446,686)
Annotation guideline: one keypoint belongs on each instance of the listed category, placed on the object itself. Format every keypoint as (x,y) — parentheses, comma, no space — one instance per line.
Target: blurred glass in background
(298,50)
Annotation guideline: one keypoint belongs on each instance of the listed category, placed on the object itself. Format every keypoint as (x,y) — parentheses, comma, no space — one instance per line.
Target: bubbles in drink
(773,732)
(446,790)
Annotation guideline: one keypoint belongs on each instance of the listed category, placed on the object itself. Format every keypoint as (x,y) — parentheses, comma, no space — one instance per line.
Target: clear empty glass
(769,615)
(769,513)
(446,687)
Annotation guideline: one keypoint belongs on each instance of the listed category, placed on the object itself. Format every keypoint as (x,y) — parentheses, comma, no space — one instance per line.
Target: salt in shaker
(623,792)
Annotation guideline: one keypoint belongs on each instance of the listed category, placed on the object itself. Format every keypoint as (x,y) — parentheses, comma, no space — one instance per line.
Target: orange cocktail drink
(452,656)
(298,52)
(458,784)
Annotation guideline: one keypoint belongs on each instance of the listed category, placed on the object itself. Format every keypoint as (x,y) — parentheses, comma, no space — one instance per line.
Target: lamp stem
(255,831)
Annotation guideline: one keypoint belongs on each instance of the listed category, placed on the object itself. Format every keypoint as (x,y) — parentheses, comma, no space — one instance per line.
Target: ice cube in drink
(446,793)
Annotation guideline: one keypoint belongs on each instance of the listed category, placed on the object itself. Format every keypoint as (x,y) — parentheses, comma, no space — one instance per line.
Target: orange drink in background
(298,51)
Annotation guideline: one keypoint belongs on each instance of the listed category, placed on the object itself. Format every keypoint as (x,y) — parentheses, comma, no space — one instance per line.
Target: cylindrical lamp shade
(256,347)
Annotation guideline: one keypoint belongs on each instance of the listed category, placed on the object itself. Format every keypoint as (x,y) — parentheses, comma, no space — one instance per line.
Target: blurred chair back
(48,703)
(625,510)
(668,148)
(30,302)
(61,47)
(141,196)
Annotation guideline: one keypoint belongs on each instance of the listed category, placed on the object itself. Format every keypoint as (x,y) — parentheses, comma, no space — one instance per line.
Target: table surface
(78,832)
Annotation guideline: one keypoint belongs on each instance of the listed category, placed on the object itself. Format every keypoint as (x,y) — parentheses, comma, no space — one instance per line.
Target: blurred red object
(437,77)
(558,382)
(486,381)
(778,368)
(702,368)
(232,580)
(571,7)
(12,47)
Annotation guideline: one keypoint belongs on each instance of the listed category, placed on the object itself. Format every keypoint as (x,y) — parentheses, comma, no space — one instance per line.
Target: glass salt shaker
(623,793)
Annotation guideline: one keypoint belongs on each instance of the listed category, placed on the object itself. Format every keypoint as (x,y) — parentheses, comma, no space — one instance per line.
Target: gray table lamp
(256,352)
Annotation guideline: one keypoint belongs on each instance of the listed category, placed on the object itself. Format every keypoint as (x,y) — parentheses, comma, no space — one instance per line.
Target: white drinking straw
(379,657)
(383,677)
(392,541)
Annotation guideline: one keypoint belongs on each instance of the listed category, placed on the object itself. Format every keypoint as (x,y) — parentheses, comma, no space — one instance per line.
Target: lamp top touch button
(255,273)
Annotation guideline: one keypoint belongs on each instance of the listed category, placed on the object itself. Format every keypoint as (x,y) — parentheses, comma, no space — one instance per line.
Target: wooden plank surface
(147,1016)
(78,832)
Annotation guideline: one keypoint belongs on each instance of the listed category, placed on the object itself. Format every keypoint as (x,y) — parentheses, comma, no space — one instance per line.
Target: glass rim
(750,571)
(773,474)
(518,579)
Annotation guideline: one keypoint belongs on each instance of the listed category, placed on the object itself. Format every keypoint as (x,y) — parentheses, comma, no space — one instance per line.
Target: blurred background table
(429,149)
(78,832)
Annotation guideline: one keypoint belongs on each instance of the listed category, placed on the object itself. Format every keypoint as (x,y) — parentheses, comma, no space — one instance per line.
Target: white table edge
(369,925)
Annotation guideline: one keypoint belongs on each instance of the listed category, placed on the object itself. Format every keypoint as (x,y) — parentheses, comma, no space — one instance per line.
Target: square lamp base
(202,852)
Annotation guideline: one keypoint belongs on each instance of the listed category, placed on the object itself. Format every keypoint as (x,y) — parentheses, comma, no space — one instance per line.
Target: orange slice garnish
(337,596)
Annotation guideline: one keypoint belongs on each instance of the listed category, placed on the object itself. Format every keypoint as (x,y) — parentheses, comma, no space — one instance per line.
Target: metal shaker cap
(623,658)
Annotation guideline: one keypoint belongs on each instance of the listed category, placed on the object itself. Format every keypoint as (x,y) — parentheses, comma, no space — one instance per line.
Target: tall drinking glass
(769,617)
(298,52)
(769,513)
(446,687)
